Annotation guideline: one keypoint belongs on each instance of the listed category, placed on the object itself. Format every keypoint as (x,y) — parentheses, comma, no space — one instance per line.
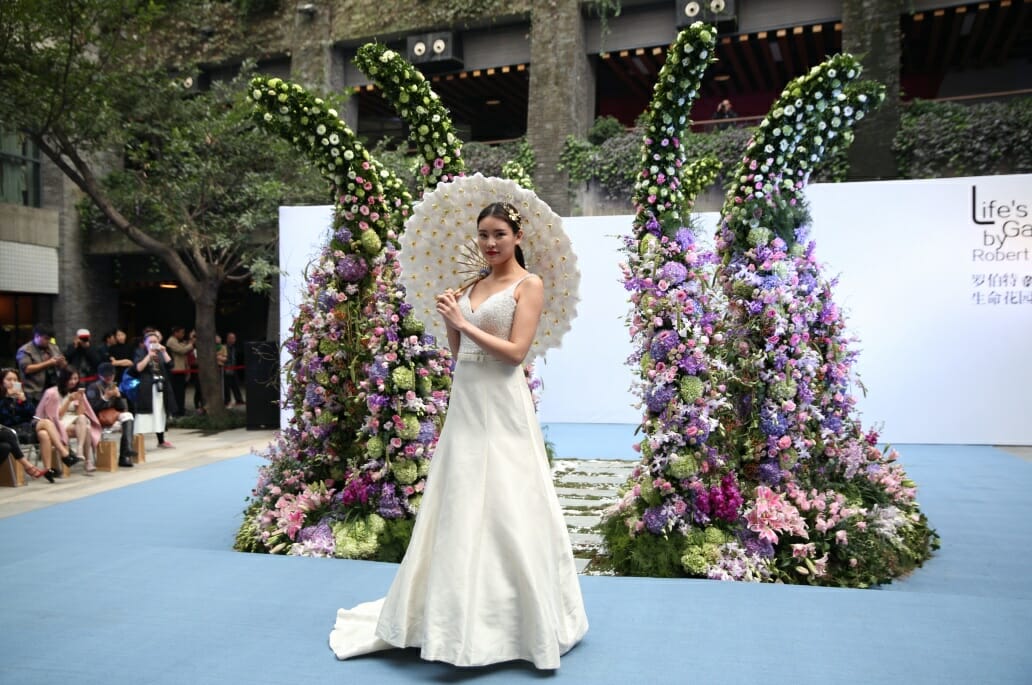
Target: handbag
(129,386)
(108,416)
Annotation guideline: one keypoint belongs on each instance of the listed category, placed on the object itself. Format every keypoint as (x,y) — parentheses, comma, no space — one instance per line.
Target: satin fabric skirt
(489,574)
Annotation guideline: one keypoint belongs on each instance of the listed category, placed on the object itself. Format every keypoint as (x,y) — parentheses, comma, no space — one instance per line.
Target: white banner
(935,278)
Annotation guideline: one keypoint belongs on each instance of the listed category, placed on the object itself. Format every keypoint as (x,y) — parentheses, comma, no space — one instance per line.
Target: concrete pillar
(870,29)
(561,97)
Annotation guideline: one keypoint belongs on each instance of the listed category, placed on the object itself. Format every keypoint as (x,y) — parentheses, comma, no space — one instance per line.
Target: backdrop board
(935,277)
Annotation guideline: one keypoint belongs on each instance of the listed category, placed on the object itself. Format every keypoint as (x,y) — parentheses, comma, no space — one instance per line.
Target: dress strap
(514,285)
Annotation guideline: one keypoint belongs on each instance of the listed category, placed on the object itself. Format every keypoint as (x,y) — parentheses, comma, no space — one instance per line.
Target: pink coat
(48,409)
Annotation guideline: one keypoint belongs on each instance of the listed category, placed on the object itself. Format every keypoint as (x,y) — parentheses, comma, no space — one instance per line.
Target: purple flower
(655,520)
(427,432)
(653,227)
(659,397)
(773,423)
(833,423)
(685,238)
(754,545)
(662,343)
(352,268)
(377,370)
(674,272)
(390,506)
(343,235)
(691,365)
(770,473)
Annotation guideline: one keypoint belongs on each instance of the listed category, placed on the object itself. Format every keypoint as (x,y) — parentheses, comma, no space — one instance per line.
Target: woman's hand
(448,308)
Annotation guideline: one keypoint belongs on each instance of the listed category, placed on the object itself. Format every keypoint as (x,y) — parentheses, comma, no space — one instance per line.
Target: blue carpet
(139,586)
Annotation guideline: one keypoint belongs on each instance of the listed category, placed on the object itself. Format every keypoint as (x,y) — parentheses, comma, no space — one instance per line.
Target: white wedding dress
(489,574)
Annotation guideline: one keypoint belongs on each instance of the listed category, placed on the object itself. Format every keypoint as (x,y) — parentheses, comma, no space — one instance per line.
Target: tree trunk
(210,373)
(870,30)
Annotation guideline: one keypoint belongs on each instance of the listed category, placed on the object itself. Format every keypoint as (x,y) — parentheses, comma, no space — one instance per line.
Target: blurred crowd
(63,401)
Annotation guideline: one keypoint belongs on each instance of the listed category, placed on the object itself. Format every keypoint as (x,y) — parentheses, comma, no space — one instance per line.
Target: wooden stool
(107,456)
(12,475)
(141,450)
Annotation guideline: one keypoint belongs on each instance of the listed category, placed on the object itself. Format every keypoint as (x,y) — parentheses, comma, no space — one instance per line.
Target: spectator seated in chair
(111,408)
(66,406)
(17,425)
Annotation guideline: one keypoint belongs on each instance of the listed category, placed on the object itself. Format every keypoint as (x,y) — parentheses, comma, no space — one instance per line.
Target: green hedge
(950,139)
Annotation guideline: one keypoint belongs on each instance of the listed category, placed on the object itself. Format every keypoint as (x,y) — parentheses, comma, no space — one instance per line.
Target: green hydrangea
(697,559)
(405,471)
(759,236)
(649,493)
(646,362)
(783,390)
(714,536)
(441,382)
(411,325)
(370,242)
(374,447)
(424,385)
(403,378)
(415,501)
(408,429)
(357,538)
(424,467)
(327,346)
(690,388)
(647,244)
(683,467)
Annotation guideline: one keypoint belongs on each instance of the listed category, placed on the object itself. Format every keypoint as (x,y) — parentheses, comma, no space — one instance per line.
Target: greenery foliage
(937,139)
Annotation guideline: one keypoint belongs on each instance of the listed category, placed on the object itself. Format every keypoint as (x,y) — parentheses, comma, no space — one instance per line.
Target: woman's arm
(530,300)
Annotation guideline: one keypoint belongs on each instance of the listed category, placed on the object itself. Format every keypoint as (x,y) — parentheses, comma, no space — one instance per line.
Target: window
(19,170)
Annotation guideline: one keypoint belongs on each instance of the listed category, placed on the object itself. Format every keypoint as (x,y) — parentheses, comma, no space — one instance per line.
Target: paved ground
(585,486)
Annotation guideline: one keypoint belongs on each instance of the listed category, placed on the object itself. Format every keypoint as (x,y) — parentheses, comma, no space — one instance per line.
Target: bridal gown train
(489,574)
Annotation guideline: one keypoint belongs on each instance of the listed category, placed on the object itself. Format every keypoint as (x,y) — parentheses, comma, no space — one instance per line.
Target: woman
(154,400)
(65,405)
(489,574)
(17,420)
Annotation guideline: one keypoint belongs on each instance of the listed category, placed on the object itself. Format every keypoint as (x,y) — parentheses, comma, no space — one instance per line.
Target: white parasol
(437,252)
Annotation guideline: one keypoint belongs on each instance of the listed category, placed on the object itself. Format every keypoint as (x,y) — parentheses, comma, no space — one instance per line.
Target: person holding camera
(111,408)
(154,400)
(39,360)
(81,356)
(725,111)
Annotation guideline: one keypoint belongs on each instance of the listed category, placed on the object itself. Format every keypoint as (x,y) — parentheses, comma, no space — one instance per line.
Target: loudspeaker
(261,367)
(439,49)
(719,12)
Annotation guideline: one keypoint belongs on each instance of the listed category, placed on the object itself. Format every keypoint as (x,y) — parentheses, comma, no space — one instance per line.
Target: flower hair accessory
(514,215)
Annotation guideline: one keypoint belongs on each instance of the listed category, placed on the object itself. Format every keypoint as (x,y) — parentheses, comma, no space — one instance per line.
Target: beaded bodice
(494,316)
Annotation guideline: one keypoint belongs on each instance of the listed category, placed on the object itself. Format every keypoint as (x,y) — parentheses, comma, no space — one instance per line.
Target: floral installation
(367,388)
(681,482)
(430,127)
(785,485)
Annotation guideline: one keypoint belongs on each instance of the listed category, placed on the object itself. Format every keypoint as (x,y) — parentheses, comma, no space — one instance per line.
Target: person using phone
(39,360)
(155,401)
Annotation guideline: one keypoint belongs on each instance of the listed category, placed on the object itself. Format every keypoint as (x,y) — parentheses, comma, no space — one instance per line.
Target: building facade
(544,70)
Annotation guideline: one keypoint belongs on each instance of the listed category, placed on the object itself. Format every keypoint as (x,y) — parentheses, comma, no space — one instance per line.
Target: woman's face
(120,337)
(150,341)
(73,381)
(496,240)
(10,378)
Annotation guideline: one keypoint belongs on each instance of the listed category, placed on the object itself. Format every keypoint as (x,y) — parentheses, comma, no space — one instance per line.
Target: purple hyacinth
(770,473)
(773,423)
(674,272)
(833,423)
(653,227)
(343,235)
(691,365)
(319,532)
(659,397)
(351,268)
(427,431)
(655,520)
(390,506)
(685,238)
(377,370)
(662,343)
(314,398)
(327,301)
(754,545)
